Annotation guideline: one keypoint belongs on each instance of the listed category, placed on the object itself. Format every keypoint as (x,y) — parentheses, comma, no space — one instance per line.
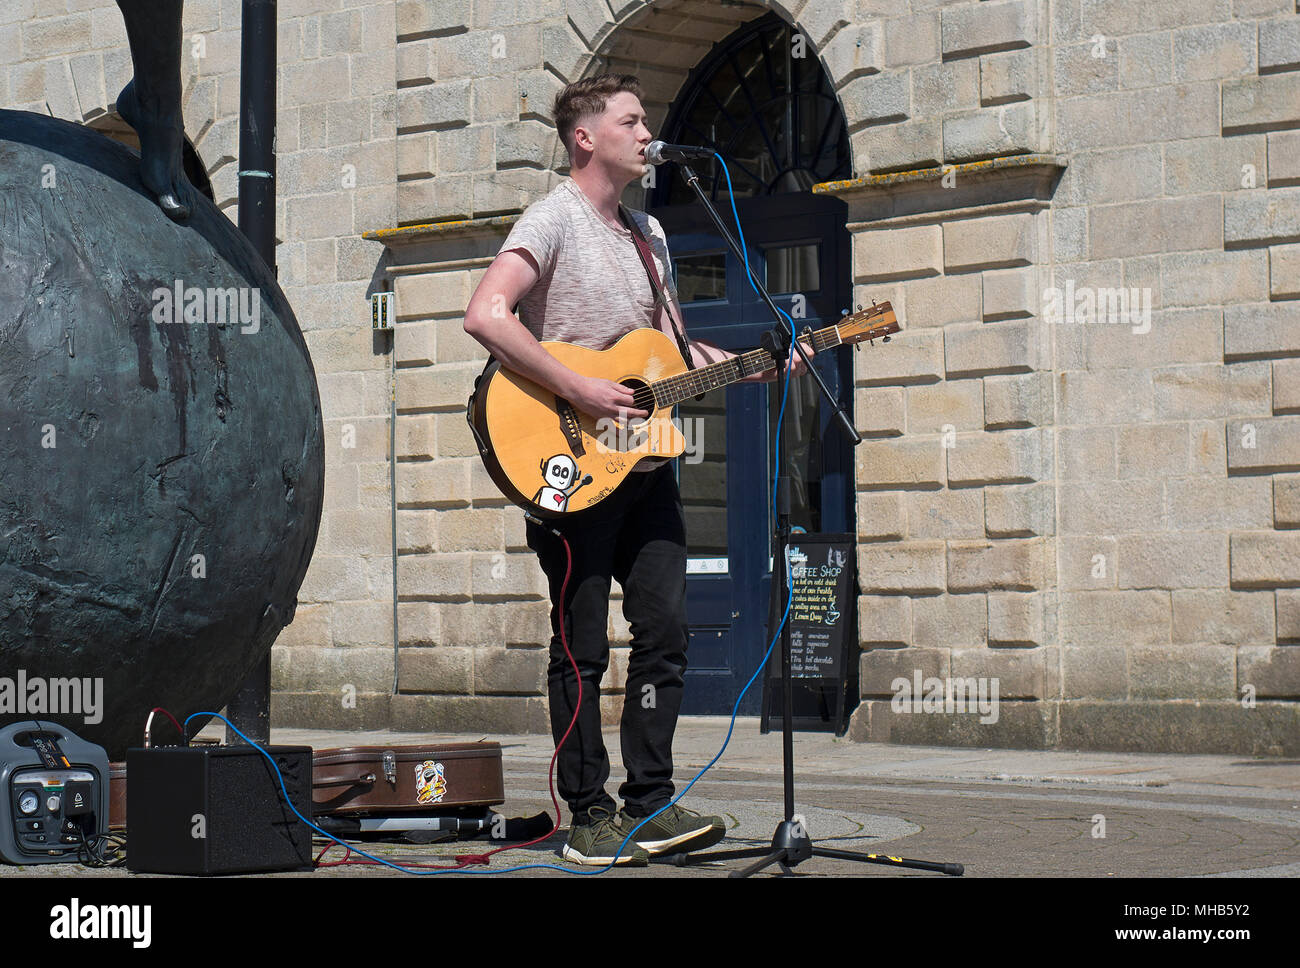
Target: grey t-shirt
(593,287)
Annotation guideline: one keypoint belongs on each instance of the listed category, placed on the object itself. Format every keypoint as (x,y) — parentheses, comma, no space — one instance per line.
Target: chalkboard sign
(822,625)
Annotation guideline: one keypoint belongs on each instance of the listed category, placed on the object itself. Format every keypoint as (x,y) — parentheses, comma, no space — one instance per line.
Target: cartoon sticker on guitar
(559,473)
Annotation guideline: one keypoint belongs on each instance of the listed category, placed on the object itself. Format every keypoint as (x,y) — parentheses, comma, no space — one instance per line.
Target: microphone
(656,153)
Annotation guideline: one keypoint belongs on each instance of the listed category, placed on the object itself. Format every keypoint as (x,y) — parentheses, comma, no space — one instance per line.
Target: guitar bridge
(570,426)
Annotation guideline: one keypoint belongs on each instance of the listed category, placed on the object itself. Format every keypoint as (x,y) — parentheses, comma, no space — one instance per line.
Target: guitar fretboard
(675,389)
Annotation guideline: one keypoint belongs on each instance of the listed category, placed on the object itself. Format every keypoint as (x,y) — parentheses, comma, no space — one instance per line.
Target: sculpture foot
(161,136)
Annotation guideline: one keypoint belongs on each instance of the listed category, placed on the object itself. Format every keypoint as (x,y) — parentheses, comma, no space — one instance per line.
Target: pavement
(999,813)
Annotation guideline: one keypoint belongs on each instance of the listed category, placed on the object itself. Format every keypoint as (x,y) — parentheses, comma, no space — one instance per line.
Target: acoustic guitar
(553,460)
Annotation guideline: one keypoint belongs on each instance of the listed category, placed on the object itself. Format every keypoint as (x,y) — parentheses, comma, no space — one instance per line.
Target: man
(571,267)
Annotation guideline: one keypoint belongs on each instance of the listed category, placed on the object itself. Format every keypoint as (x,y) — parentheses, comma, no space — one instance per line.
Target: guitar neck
(675,389)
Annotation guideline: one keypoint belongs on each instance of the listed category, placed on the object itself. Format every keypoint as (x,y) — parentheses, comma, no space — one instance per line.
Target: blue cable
(735,710)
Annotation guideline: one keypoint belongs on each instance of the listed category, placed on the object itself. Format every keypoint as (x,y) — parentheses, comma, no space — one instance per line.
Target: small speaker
(217,810)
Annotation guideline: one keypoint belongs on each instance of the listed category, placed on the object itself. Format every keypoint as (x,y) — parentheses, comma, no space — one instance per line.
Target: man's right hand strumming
(604,399)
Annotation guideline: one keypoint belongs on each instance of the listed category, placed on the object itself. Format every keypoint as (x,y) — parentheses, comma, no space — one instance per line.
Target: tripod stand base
(791,846)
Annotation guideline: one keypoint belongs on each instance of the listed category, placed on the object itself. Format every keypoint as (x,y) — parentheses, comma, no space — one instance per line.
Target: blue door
(798,245)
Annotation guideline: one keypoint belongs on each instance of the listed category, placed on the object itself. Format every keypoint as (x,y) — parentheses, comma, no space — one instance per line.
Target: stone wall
(1103,516)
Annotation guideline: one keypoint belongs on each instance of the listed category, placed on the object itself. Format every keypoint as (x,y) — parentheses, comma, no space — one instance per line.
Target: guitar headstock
(868,324)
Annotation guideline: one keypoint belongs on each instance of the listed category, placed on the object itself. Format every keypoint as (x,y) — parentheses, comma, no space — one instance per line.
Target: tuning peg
(887,339)
(844,312)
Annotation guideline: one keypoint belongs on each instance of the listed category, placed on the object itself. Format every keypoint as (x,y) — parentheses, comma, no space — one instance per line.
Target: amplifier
(53,792)
(217,810)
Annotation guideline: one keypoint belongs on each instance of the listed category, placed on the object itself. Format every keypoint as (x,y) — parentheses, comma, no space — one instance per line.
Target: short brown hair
(586,97)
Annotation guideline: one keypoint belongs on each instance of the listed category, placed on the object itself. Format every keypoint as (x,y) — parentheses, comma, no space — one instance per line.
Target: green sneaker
(594,843)
(675,831)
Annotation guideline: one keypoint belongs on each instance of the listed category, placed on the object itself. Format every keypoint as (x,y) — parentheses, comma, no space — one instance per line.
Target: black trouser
(636,535)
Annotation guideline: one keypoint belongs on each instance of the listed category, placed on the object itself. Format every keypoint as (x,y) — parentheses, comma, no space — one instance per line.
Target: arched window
(762,101)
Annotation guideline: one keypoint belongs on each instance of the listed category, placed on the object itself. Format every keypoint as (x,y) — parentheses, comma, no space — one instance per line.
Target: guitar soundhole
(644,398)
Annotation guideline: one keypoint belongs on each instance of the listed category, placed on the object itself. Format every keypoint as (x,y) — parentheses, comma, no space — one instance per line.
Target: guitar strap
(661,297)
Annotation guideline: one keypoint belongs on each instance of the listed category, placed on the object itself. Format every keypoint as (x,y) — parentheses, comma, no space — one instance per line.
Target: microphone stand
(790,844)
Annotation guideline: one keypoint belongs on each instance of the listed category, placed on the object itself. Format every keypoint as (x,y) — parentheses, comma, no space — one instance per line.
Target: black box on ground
(217,810)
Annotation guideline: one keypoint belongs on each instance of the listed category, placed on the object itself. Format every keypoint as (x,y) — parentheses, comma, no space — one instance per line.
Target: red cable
(465,860)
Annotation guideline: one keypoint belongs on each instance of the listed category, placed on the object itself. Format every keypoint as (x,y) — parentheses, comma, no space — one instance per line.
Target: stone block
(1279,44)
(468,714)
(433,106)
(1214,165)
(1095,672)
(855,50)
(1219,616)
(901,146)
(1261,103)
(992,132)
(1006,565)
(1264,559)
(1115,618)
(988,243)
(1213,503)
(1086,454)
(1015,619)
(1087,68)
(1007,77)
(1198,560)
(878,669)
(939,407)
(1144,339)
(1264,216)
(1214,278)
(431,294)
(1145,60)
(1088,562)
(945,514)
(1261,331)
(1284,272)
(878,412)
(1010,293)
(912,357)
(1286,501)
(441,669)
(1171,672)
(899,253)
(880,516)
(1263,446)
(1022,511)
(1288,615)
(1213,52)
(911,40)
(1004,457)
(1154,450)
(1269,729)
(1104,397)
(1163,225)
(943,87)
(1017,401)
(949,621)
(899,464)
(972,29)
(1284,158)
(910,567)
(1070,233)
(515,672)
(1273,673)
(877,98)
(940,300)
(1211,391)
(990,348)
(884,620)
(1111,507)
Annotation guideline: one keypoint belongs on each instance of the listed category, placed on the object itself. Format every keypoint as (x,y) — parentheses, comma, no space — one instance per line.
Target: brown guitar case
(358,780)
